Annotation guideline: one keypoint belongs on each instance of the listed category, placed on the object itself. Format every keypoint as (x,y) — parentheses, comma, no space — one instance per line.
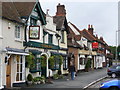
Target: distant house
(74,47)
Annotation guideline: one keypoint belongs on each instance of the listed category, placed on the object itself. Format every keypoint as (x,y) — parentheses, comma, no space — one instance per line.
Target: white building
(12,54)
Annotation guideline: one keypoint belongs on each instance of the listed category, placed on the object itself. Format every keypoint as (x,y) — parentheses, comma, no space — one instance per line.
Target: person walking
(72,71)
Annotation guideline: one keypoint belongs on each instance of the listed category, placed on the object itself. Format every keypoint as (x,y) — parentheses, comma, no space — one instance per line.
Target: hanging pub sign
(34,32)
(95,45)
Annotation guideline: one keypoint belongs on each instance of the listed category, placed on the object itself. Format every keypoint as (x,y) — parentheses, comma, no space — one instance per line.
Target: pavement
(82,80)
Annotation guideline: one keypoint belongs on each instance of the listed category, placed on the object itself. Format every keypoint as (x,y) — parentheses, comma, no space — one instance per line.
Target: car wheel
(113,75)
(113,88)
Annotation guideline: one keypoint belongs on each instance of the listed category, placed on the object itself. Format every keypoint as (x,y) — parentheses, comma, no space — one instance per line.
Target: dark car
(114,71)
(110,85)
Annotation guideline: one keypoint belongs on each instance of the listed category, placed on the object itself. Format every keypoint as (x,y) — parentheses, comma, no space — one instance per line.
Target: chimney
(60,10)
(96,36)
(47,12)
(101,38)
(90,29)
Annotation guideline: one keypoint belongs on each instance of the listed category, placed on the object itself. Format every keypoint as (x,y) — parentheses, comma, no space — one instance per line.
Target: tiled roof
(59,21)
(14,10)
(74,26)
(87,35)
(74,44)
(76,37)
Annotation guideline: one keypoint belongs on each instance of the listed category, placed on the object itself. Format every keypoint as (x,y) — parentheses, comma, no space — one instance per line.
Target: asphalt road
(82,80)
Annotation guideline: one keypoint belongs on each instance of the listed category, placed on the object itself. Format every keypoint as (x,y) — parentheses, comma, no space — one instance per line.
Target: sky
(102,14)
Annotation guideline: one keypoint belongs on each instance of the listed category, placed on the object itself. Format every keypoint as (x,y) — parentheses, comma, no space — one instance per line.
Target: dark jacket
(72,69)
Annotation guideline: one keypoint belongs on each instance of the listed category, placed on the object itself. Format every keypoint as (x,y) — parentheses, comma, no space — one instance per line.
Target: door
(8,74)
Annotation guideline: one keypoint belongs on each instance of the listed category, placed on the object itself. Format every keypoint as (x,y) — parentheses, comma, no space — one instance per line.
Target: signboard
(95,45)
(34,32)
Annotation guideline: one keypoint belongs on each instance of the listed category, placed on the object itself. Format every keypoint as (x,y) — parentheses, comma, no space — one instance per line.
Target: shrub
(29,77)
(55,76)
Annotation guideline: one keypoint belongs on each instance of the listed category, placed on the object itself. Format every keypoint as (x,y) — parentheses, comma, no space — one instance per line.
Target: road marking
(94,82)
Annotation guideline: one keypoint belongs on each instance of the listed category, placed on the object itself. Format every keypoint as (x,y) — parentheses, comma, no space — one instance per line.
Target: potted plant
(55,76)
(43,79)
(29,79)
(88,65)
(35,80)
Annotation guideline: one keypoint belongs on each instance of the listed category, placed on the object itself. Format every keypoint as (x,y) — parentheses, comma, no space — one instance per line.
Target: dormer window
(33,22)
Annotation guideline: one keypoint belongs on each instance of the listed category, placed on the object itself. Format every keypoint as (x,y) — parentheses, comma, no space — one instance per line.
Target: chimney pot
(91,26)
(60,10)
(88,26)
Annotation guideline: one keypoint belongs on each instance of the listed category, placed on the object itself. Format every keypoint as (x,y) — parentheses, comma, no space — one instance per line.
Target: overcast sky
(103,15)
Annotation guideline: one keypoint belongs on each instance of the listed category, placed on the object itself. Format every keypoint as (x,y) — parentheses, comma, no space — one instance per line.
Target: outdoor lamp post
(116,44)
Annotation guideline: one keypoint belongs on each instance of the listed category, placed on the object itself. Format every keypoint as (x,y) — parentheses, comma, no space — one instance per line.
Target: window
(65,63)
(33,22)
(118,67)
(36,65)
(50,39)
(17,32)
(19,75)
(82,61)
(62,38)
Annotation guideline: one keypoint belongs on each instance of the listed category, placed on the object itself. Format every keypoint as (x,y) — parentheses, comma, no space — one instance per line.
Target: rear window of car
(114,67)
(118,67)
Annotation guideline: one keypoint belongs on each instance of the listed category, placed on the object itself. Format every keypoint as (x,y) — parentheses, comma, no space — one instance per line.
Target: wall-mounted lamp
(6,59)
(9,25)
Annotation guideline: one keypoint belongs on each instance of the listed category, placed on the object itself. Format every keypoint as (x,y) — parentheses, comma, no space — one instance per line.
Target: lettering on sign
(46,46)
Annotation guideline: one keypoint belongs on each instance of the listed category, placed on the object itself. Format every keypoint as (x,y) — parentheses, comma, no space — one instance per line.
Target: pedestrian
(72,71)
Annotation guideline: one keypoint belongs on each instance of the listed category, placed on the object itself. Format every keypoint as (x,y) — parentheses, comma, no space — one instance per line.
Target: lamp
(6,59)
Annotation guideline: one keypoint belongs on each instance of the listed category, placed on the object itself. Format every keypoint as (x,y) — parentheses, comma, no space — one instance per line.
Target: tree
(113,51)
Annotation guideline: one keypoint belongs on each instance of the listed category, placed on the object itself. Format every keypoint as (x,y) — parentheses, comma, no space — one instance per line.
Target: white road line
(93,82)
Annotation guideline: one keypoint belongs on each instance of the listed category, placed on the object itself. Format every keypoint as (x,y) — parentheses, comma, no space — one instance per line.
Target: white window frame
(17,32)
(19,72)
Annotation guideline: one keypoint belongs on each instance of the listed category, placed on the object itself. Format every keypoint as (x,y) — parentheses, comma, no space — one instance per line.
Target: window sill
(18,40)
(65,68)
(19,81)
(63,42)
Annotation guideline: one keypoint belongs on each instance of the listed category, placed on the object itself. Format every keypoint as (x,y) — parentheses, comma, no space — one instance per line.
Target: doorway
(43,65)
(8,73)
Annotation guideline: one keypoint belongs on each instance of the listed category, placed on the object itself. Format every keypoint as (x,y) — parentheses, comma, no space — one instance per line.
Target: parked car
(114,71)
(111,85)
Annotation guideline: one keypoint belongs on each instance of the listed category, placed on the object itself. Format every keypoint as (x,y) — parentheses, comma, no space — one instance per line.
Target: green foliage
(113,50)
(55,76)
(36,79)
(118,50)
(29,59)
(51,61)
(43,61)
(29,77)
(88,64)
(55,58)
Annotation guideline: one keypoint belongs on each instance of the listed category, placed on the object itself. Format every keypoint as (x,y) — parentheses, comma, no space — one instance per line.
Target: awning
(89,56)
(16,51)
(82,56)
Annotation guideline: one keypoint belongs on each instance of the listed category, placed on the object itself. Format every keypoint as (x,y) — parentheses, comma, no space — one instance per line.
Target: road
(82,80)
